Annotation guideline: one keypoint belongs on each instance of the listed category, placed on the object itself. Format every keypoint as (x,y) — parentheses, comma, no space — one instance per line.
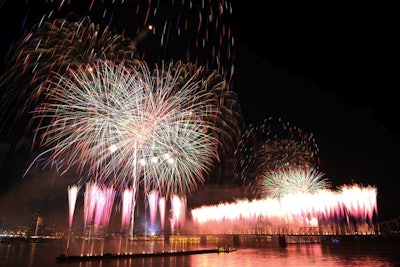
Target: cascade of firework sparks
(353,205)
(162,206)
(152,197)
(128,204)
(273,146)
(72,196)
(99,200)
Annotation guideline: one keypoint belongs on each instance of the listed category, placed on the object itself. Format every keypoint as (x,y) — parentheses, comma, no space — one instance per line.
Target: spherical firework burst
(273,145)
(278,183)
(108,120)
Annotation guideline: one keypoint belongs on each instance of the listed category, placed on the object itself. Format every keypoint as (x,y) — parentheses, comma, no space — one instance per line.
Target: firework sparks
(128,204)
(72,196)
(110,121)
(280,183)
(121,127)
(59,42)
(198,32)
(292,211)
(54,47)
(272,146)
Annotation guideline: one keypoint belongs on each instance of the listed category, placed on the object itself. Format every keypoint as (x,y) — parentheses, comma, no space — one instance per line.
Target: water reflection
(43,254)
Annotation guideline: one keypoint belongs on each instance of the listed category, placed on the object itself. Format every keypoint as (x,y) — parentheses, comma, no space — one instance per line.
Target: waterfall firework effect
(354,205)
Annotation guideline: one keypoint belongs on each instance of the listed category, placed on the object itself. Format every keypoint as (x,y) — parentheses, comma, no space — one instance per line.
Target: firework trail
(191,31)
(72,196)
(274,145)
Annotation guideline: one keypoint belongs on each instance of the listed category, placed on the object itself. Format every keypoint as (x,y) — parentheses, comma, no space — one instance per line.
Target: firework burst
(229,122)
(62,40)
(272,146)
(55,47)
(108,120)
(117,124)
(300,180)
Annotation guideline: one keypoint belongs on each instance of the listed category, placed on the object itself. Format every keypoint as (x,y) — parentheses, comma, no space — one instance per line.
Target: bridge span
(325,230)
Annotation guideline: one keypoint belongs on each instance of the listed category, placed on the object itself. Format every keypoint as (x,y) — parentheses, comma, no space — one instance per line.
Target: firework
(72,196)
(116,124)
(229,122)
(280,183)
(272,146)
(197,32)
(362,199)
(98,205)
(59,42)
(55,47)
(128,204)
(121,125)
(293,213)
(59,37)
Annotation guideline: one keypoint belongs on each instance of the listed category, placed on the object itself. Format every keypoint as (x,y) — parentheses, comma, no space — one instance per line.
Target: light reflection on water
(303,255)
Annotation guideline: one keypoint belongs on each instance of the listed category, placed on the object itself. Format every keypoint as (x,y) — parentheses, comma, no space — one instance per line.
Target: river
(31,254)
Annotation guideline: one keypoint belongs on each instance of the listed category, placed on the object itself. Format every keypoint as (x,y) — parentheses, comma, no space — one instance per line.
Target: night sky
(330,70)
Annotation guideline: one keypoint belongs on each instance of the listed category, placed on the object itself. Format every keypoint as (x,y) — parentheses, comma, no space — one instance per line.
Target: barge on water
(64,257)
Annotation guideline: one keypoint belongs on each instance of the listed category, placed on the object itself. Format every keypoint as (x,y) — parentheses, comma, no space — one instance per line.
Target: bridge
(267,234)
(388,228)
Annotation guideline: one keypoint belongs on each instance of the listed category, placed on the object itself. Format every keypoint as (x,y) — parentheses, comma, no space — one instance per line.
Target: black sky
(331,70)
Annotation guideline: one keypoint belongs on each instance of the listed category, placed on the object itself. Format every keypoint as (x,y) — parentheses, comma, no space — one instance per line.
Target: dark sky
(330,70)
